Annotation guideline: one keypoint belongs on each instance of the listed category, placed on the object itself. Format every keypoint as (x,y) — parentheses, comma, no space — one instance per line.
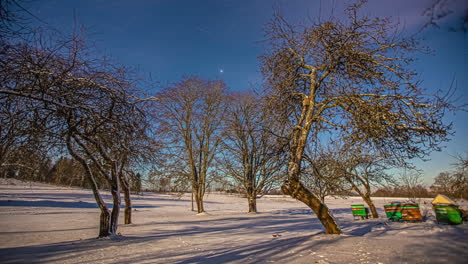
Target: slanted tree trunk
(107,221)
(365,196)
(105,216)
(293,186)
(105,229)
(295,189)
(371,205)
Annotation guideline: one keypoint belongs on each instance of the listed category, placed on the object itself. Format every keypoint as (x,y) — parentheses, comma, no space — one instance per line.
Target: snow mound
(203,214)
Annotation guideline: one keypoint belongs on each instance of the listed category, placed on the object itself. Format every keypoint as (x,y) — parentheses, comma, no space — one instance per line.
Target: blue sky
(223,38)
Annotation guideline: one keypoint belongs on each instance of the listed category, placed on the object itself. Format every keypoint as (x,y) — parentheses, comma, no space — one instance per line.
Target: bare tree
(13,18)
(460,182)
(453,183)
(13,129)
(351,166)
(190,115)
(412,182)
(349,75)
(253,156)
(362,171)
(320,176)
(89,106)
(442,183)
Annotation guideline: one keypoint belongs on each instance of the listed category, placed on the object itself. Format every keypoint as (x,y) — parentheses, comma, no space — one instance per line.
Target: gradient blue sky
(223,38)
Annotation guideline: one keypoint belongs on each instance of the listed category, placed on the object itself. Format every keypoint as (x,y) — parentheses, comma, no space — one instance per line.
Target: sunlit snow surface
(48,224)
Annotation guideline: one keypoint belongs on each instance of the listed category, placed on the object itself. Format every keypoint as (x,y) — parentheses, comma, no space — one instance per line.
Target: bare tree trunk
(252,199)
(295,188)
(114,221)
(199,201)
(198,189)
(104,219)
(105,229)
(371,205)
(299,192)
(192,200)
(83,181)
(104,224)
(251,192)
(366,197)
(200,192)
(128,203)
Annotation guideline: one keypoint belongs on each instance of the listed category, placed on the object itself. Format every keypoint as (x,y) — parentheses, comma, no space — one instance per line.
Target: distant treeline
(403,191)
(64,172)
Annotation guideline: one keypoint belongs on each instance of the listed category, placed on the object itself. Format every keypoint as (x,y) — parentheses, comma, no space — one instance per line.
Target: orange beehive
(411,212)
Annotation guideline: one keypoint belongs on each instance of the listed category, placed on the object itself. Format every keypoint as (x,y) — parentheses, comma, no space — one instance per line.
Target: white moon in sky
(221,70)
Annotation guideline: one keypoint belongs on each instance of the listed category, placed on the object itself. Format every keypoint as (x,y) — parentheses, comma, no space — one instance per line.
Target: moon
(221,70)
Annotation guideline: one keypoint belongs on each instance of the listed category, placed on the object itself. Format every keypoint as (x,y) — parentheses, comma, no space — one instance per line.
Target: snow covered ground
(49,224)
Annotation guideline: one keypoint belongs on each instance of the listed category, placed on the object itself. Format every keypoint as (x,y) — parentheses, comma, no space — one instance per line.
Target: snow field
(49,224)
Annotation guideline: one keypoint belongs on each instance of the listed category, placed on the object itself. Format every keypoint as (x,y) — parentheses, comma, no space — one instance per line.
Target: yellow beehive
(442,199)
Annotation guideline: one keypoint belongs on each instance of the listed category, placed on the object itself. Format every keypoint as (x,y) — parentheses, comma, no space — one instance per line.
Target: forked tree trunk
(199,201)
(199,187)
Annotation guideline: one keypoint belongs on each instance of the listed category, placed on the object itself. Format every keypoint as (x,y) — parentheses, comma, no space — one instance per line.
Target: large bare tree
(190,115)
(349,75)
(87,106)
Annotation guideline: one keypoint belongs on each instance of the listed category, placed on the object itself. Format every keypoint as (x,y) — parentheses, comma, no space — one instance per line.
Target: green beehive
(448,213)
(393,211)
(359,211)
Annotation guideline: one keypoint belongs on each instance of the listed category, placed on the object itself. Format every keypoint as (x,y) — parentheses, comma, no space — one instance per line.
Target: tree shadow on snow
(238,227)
(260,228)
(442,247)
(46,195)
(59,204)
(352,227)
